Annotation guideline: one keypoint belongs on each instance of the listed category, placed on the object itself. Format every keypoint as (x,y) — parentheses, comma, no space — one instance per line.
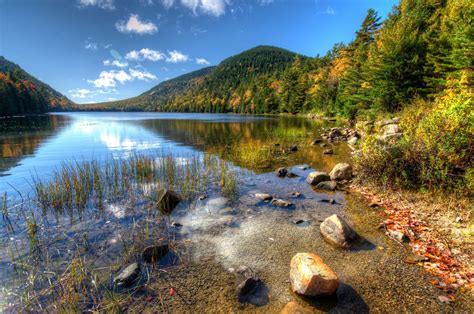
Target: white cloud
(145,54)
(83,93)
(111,98)
(103,4)
(91,46)
(329,11)
(265,2)
(202,61)
(134,25)
(80,93)
(142,76)
(211,7)
(175,56)
(117,63)
(109,78)
(167,3)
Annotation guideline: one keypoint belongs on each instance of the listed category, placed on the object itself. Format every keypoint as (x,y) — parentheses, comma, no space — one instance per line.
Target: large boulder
(128,276)
(337,232)
(317,176)
(342,171)
(310,276)
(167,201)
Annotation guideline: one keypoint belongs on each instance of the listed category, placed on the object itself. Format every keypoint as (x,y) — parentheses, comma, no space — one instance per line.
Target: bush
(435,153)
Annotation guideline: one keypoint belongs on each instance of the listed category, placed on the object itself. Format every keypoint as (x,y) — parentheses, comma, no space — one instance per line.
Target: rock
(281,203)
(227,221)
(353,140)
(310,276)
(176,224)
(390,131)
(373,204)
(128,276)
(293,148)
(317,176)
(398,235)
(337,232)
(202,197)
(327,185)
(316,141)
(167,201)
(153,253)
(393,121)
(263,196)
(295,194)
(298,221)
(281,172)
(246,287)
(415,259)
(294,308)
(291,175)
(323,145)
(341,171)
(328,151)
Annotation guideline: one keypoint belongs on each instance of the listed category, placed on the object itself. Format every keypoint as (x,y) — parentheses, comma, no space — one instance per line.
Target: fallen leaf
(172,292)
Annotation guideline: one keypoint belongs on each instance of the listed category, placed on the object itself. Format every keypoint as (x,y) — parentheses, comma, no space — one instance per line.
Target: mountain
(231,86)
(22,93)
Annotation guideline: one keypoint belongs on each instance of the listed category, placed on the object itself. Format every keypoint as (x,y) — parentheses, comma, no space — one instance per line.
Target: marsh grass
(56,280)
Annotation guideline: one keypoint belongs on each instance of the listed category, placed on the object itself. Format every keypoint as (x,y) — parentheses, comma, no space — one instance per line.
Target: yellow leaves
(248,94)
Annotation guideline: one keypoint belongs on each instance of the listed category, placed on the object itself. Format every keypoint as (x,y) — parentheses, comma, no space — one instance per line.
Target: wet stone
(291,175)
(281,203)
(337,232)
(167,201)
(202,197)
(264,196)
(176,224)
(342,171)
(153,253)
(327,185)
(281,172)
(128,276)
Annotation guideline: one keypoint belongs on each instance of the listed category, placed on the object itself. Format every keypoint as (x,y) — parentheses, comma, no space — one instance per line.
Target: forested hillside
(21,93)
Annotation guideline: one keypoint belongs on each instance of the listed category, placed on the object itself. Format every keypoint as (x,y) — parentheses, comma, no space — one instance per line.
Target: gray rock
(353,140)
(281,203)
(317,176)
(263,196)
(153,253)
(327,185)
(281,172)
(342,171)
(337,232)
(128,276)
(167,201)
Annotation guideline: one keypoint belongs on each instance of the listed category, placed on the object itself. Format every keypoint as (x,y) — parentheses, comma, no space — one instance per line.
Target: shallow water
(219,234)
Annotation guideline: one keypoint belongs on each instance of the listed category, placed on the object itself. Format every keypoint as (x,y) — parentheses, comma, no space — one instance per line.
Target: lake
(81,204)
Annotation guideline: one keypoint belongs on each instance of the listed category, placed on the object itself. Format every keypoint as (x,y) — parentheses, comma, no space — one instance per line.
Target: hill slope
(22,93)
(228,87)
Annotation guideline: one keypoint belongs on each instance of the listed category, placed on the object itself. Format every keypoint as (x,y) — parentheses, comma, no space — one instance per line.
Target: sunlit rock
(281,203)
(317,176)
(337,232)
(294,308)
(327,185)
(310,276)
(281,172)
(128,276)
(263,196)
(342,171)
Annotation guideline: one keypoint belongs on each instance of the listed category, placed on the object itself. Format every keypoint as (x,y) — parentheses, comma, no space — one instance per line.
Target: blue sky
(99,50)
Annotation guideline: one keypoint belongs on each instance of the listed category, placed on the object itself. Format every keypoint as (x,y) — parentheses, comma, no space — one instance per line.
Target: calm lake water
(219,227)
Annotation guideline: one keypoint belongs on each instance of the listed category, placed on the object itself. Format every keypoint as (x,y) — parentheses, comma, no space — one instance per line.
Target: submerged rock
(337,232)
(128,276)
(291,175)
(342,171)
(317,176)
(281,203)
(327,185)
(281,172)
(246,287)
(167,201)
(294,308)
(153,253)
(310,276)
(264,196)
